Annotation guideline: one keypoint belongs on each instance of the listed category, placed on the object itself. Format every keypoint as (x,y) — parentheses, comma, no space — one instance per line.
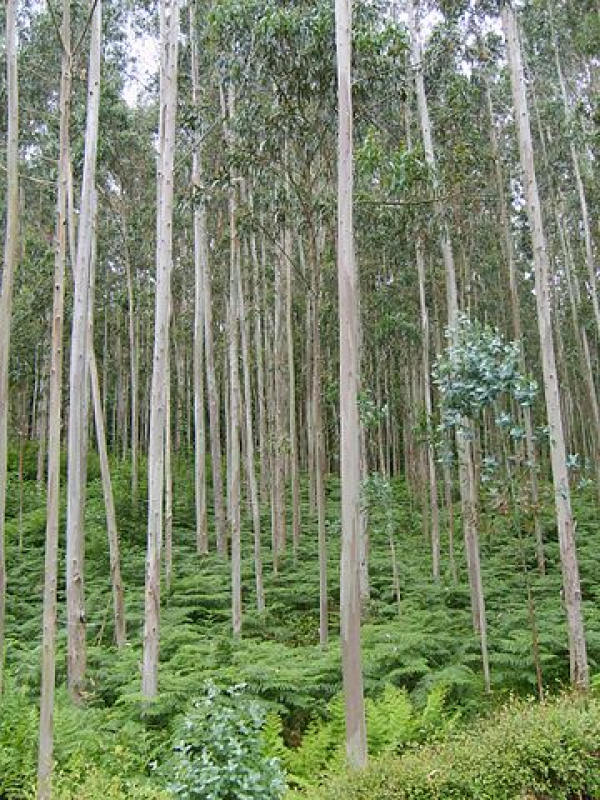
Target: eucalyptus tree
(48,676)
(508,246)
(200,267)
(558,457)
(11,256)
(78,377)
(356,739)
(169,38)
(467,473)
(586,223)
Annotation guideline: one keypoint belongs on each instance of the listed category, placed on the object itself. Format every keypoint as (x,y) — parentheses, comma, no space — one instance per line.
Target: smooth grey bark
(515,304)
(111,517)
(350,607)
(11,255)
(234,460)
(169,35)
(78,381)
(260,373)
(467,475)
(214,416)
(168,519)
(200,268)
(250,453)
(433,490)
(560,478)
(49,623)
(576,162)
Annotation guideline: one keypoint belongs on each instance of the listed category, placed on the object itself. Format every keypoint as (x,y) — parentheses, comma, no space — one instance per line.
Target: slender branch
(85,28)
(422,202)
(57,27)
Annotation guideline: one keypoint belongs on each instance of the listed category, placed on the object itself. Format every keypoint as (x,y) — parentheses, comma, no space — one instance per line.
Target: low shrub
(218,753)
(549,752)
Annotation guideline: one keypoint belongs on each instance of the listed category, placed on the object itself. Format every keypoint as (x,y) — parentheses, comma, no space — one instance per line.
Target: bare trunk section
(564,514)
(575,160)
(214,421)
(581,338)
(263,448)
(234,466)
(169,33)
(350,610)
(111,517)
(433,491)
(279,421)
(468,491)
(315,423)
(134,390)
(200,268)
(11,255)
(78,382)
(250,456)
(509,254)
(48,677)
(168,522)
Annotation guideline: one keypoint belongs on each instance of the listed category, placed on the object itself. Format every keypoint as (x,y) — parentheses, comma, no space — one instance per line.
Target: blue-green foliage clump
(219,753)
(477,367)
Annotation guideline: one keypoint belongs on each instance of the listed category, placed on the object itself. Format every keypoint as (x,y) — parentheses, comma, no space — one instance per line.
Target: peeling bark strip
(169,35)
(558,456)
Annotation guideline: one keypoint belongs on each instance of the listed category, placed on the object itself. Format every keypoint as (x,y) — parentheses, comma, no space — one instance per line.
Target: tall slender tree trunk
(169,34)
(515,304)
(263,448)
(11,255)
(214,421)
(250,456)
(48,677)
(201,267)
(564,513)
(234,458)
(134,368)
(42,425)
(350,610)
(581,338)
(433,490)
(168,521)
(78,382)
(293,424)
(317,436)
(575,160)
(468,491)
(279,420)
(111,517)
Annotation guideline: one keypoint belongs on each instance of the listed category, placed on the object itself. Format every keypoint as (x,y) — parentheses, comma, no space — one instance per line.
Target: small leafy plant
(218,751)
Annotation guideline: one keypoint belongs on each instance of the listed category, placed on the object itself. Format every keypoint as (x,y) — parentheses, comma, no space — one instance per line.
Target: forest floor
(423,645)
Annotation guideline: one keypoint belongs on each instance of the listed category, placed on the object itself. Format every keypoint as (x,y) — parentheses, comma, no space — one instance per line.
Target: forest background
(171,382)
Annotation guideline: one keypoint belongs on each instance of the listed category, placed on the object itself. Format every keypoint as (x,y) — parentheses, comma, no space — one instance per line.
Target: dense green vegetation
(426,655)
(524,752)
(330,270)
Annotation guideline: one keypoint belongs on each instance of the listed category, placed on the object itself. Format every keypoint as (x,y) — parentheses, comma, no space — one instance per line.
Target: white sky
(143,50)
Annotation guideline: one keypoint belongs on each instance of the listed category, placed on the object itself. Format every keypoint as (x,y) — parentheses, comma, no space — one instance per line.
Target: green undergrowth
(425,646)
(524,752)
